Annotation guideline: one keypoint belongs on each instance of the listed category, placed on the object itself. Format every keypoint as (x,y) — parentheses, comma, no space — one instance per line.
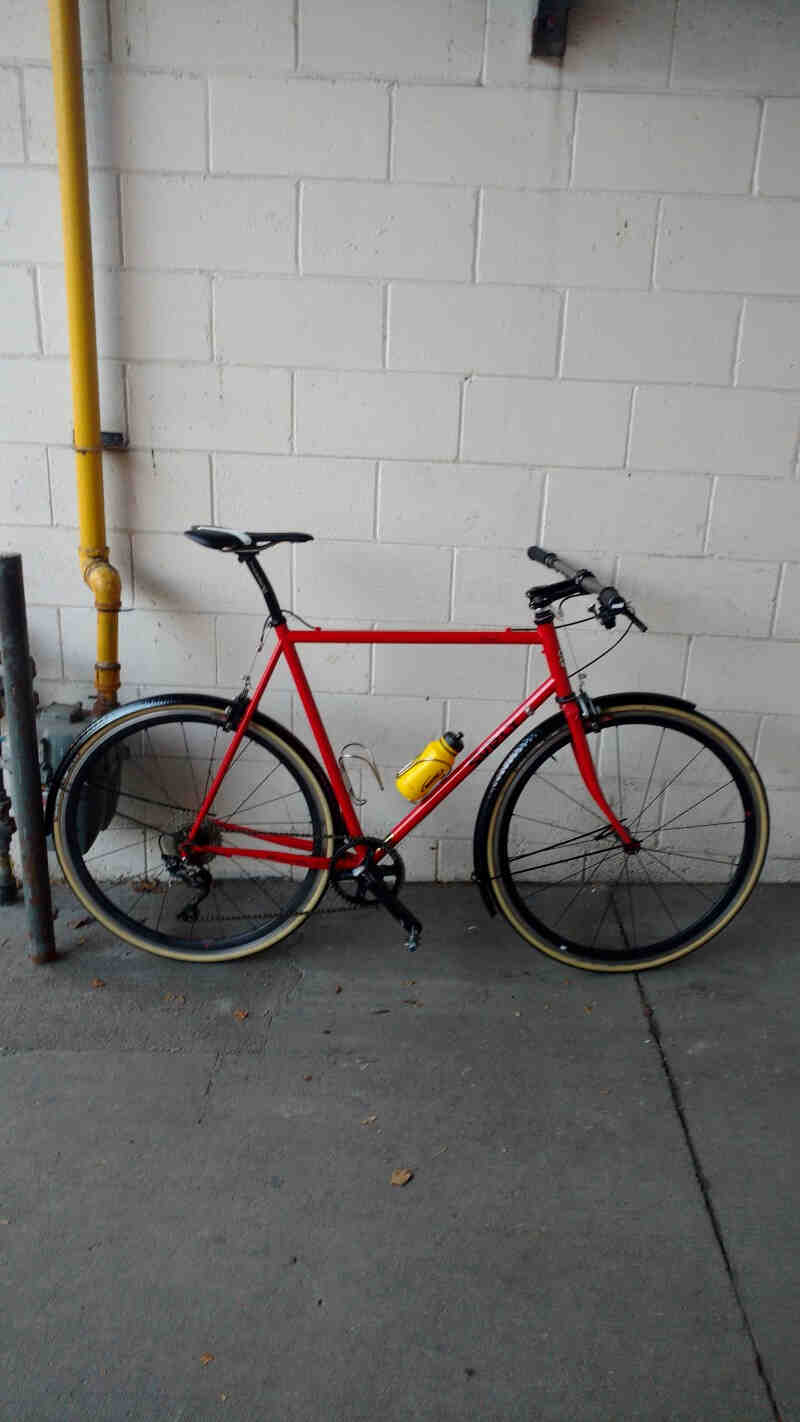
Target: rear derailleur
(376,879)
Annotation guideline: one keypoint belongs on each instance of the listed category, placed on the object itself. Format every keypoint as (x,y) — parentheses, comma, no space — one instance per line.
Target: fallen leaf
(338,987)
(588,1006)
(81,922)
(413,1001)
(241,1013)
(309,1077)
(369,1120)
(146,886)
(98,982)
(380,1011)
(402,1177)
(409,982)
(206,1358)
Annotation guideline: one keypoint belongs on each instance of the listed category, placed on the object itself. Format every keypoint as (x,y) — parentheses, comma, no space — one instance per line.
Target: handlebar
(610,603)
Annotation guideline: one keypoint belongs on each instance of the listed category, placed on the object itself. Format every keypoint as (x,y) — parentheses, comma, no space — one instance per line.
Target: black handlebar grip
(541,555)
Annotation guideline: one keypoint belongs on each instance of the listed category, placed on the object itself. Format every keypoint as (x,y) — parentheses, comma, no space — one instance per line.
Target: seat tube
(568,701)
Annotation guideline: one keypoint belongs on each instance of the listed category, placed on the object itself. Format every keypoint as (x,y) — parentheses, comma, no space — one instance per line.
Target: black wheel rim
(618,899)
(155,793)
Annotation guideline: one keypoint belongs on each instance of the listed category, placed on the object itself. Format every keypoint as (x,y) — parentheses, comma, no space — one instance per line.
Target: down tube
(454,779)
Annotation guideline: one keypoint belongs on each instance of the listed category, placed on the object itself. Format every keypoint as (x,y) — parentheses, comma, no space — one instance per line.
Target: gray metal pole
(21,721)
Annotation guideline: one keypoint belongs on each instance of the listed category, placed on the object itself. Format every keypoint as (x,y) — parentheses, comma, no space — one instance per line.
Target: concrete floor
(197,1219)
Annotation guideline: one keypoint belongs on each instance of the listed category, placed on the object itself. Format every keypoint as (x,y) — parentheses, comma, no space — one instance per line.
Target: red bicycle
(621,833)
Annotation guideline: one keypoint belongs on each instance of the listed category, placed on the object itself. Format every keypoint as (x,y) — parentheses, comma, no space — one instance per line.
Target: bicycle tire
(609,885)
(100,794)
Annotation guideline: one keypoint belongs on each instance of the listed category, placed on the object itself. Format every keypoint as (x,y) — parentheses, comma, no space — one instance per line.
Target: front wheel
(128,798)
(689,795)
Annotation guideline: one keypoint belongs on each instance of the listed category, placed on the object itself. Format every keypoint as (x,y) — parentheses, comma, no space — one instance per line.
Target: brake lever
(610,604)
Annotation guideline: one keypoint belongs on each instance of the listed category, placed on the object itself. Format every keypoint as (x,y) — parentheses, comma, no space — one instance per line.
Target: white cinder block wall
(365,269)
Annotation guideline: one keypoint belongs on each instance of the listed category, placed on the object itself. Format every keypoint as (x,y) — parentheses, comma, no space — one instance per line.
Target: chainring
(350,884)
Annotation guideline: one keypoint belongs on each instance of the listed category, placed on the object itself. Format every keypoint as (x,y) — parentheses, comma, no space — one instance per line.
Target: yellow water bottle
(418,778)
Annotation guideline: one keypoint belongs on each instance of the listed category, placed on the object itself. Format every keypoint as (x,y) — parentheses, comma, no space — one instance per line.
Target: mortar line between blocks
(390,147)
(673,45)
(705,1190)
(779,586)
(23,115)
(737,343)
(207,117)
(376,498)
(706,544)
(573,144)
(38,310)
(485,43)
(762,123)
(478,233)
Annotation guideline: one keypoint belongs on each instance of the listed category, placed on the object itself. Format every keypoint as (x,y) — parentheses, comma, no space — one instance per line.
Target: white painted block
(614,44)
(505,137)
(497,330)
(788,621)
(749,676)
(390,582)
(23,480)
(213,223)
(143,489)
(715,595)
(339,667)
(778,760)
(476,719)
(784,837)
(30,217)
(26,30)
(719,431)
(455,862)
(756,518)
(209,407)
(490,586)
(171,571)
(274,321)
(651,662)
(299,127)
(542,421)
(625,513)
(132,120)
(199,34)
(45,639)
(166,649)
(50,564)
(744,47)
(381,229)
(632,335)
(423,39)
(394,729)
(480,673)
(377,415)
(139,315)
(463,504)
(729,244)
(11,150)
(36,400)
(567,239)
(778,167)
(330,498)
(770,350)
(18,333)
(665,143)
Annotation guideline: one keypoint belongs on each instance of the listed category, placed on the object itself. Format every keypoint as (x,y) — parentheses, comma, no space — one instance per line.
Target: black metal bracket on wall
(550,30)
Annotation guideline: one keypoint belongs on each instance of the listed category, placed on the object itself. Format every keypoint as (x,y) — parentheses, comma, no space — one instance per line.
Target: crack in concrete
(705,1191)
(216,1067)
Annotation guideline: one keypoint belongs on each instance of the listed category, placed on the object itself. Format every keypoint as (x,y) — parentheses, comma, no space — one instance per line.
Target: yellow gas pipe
(98,573)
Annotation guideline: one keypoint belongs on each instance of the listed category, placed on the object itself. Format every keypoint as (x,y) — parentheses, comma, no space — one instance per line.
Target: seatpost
(268,593)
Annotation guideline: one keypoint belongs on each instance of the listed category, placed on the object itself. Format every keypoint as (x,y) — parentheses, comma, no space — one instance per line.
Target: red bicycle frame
(289,848)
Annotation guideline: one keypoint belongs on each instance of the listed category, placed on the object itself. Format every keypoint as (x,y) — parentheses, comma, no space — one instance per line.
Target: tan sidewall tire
(737,751)
(137,941)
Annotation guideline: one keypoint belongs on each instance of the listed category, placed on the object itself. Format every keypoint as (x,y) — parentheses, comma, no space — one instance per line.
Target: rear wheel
(689,795)
(128,800)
